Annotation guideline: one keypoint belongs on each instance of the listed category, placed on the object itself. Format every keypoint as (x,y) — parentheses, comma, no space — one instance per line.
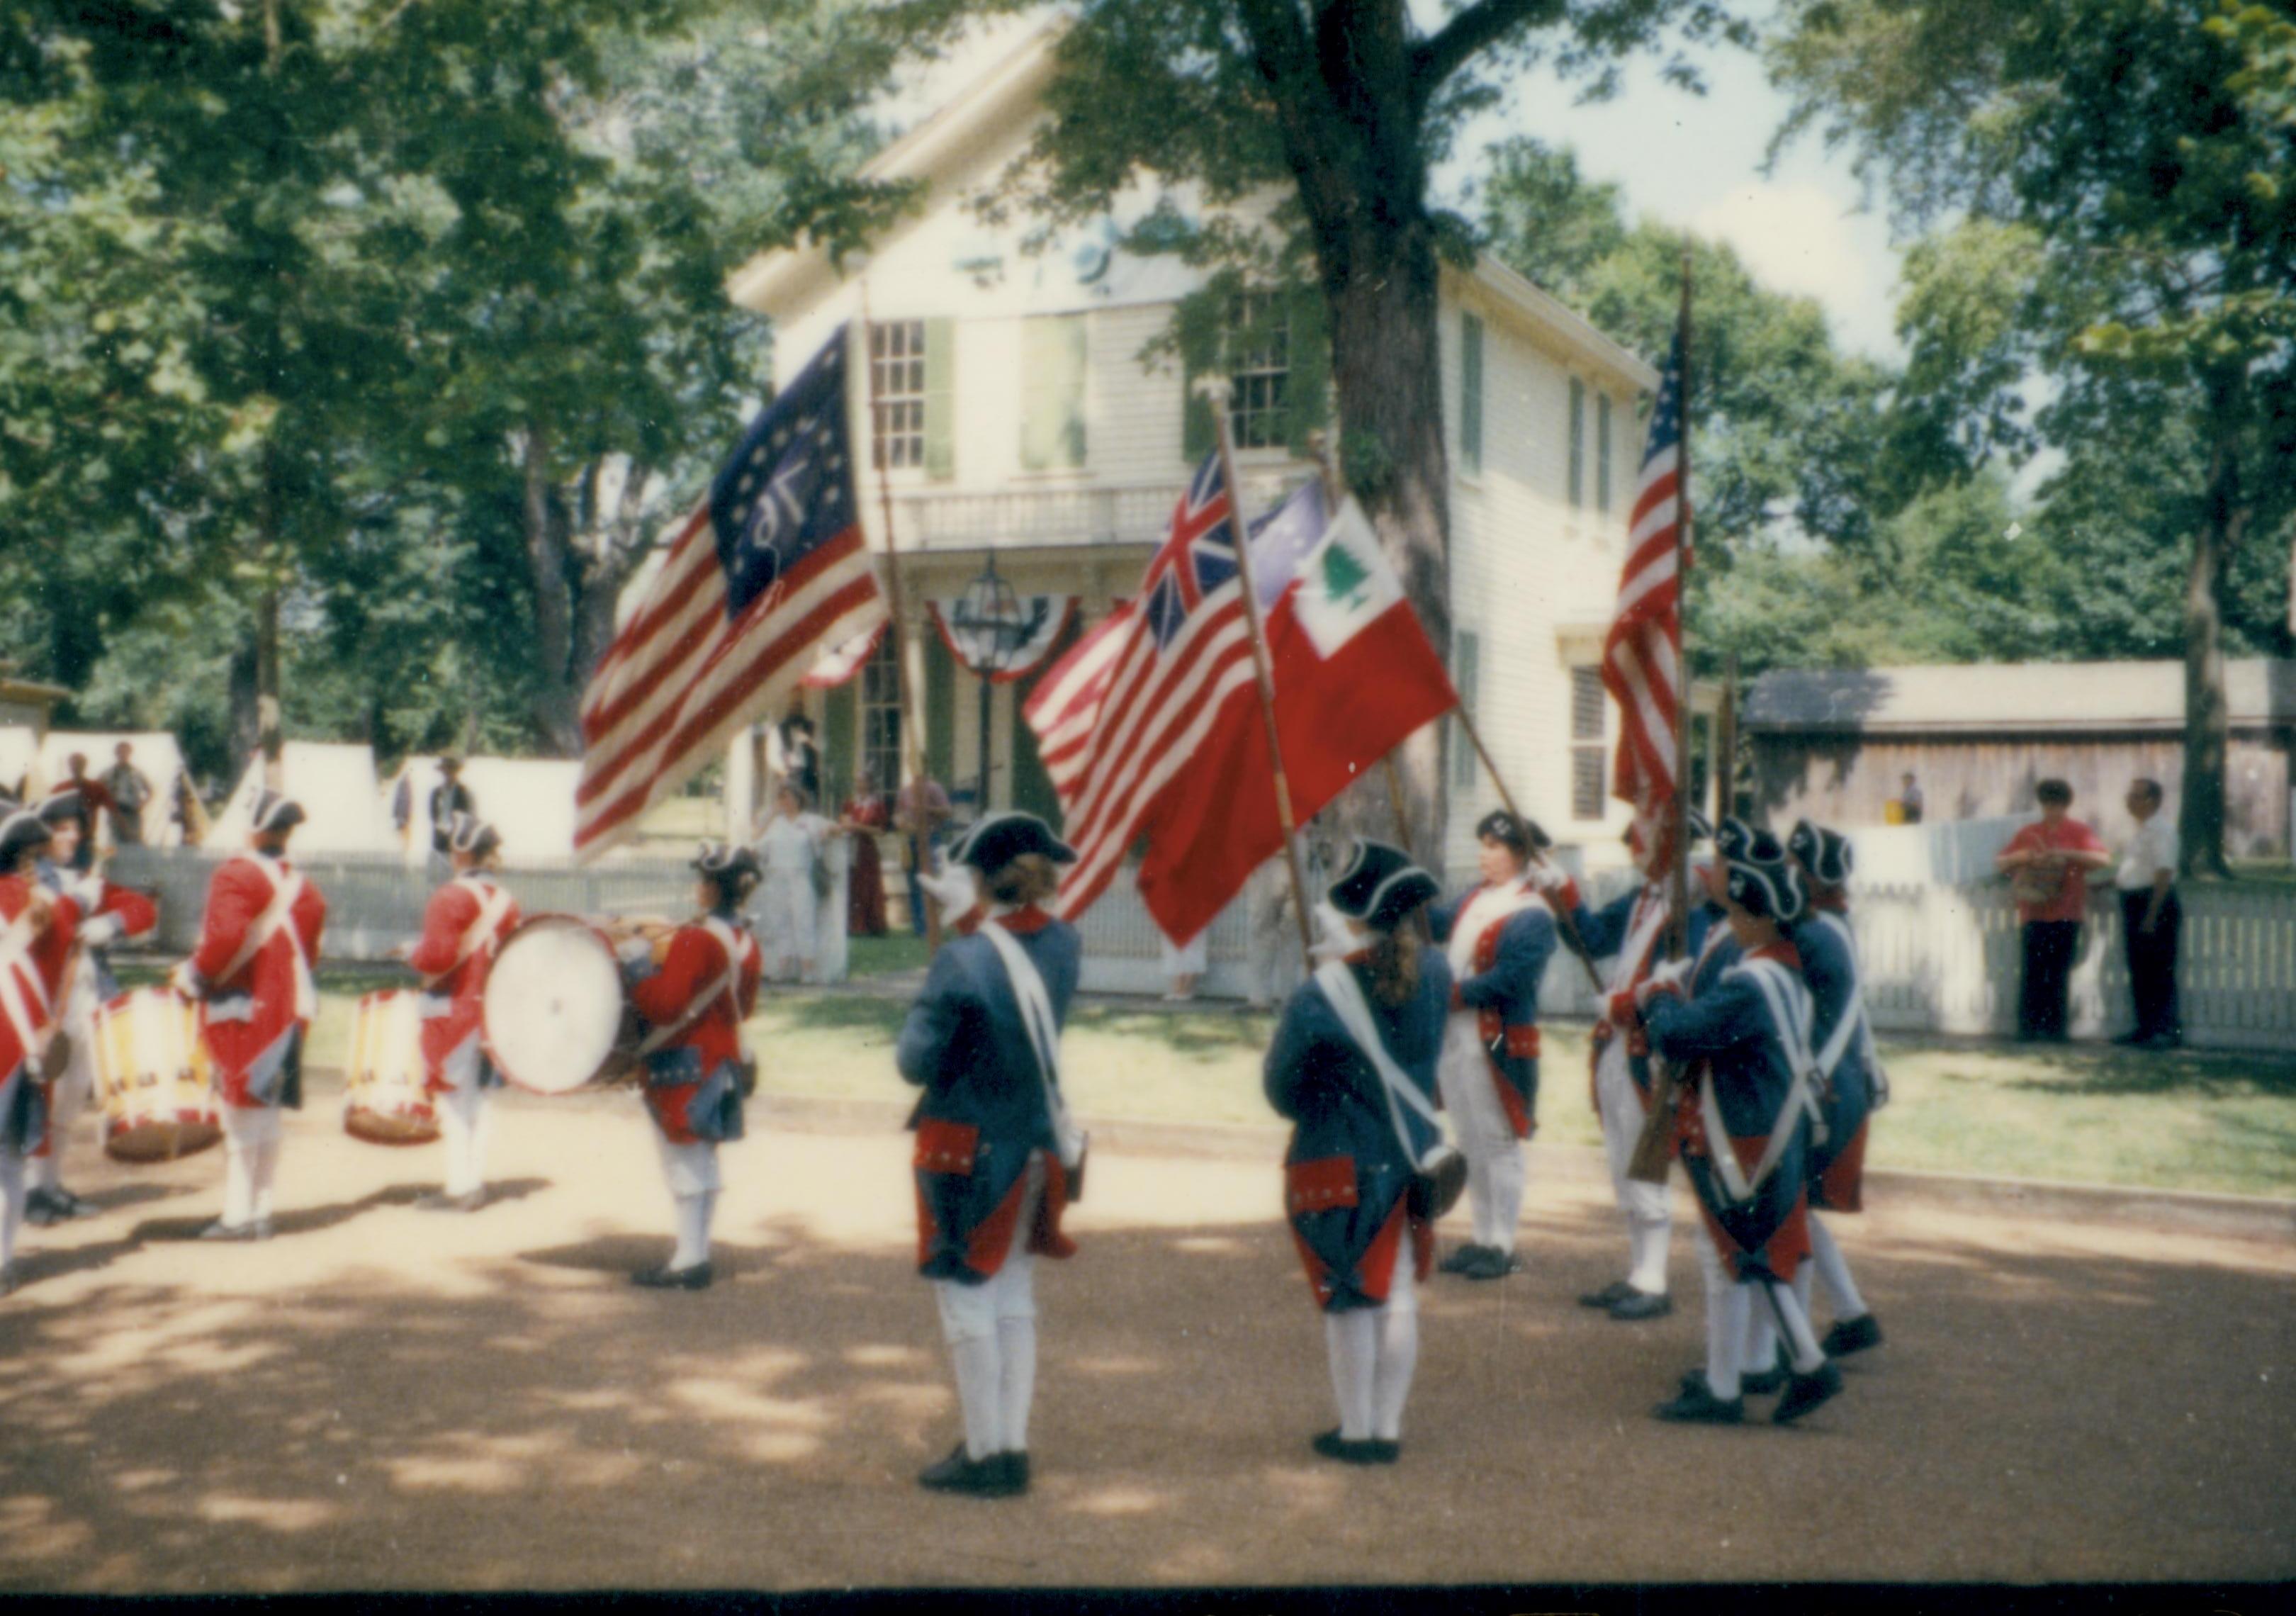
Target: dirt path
(388,1398)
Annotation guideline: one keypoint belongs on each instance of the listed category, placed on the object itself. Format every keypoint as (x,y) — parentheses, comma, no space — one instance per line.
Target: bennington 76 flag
(770,570)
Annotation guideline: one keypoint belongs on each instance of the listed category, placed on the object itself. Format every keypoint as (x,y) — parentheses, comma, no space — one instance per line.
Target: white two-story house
(1016,419)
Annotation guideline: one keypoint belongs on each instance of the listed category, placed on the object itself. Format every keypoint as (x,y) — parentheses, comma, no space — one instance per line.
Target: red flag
(1642,657)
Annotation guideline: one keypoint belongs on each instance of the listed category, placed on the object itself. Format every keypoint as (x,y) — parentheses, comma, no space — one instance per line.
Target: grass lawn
(2081,1114)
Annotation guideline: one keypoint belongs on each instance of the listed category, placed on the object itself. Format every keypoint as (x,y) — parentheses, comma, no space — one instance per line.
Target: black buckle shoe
(1764,1381)
(993,1477)
(1609,1296)
(1638,1305)
(220,1230)
(1493,1264)
(1805,1392)
(1696,1405)
(41,1208)
(1371,1450)
(1462,1259)
(695,1279)
(1850,1335)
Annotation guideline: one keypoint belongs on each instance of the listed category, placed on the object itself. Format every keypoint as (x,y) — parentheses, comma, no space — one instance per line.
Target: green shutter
(1602,454)
(839,742)
(1577,478)
(1032,787)
(940,707)
(940,398)
(1471,392)
(1052,359)
(1307,395)
(1196,327)
(1466,671)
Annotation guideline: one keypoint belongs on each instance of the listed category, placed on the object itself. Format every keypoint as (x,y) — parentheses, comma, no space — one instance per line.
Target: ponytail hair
(1392,963)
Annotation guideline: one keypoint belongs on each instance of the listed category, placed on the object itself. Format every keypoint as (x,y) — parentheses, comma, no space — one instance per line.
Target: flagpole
(1216,390)
(1653,1154)
(912,733)
(1678,940)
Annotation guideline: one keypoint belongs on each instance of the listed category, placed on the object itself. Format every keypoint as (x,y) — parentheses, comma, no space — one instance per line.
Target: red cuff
(1457,1001)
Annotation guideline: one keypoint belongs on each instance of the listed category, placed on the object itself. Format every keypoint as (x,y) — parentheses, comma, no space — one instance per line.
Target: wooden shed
(1836,745)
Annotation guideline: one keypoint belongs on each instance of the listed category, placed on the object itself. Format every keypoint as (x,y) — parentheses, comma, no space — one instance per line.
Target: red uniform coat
(677,1070)
(32,969)
(467,922)
(253,1017)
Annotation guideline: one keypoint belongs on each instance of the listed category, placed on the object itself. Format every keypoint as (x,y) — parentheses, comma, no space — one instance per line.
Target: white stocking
(65,1100)
(1352,1340)
(1833,1273)
(12,1203)
(1646,1240)
(464,1117)
(1398,1354)
(1016,1349)
(968,1323)
(1478,1197)
(693,1218)
(1800,1339)
(1726,1322)
(1761,1350)
(1507,1177)
(250,1146)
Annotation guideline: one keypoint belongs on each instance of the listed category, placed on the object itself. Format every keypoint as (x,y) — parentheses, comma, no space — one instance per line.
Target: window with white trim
(896,391)
(1588,710)
(1261,371)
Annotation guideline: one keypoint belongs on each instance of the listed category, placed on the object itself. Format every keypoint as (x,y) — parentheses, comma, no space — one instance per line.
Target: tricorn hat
(274,811)
(1826,854)
(999,840)
(1381,886)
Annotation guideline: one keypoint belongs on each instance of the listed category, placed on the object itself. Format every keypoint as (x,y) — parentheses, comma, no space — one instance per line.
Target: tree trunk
(246,729)
(270,737)
(1381,285)
(2208,712)
(557,702)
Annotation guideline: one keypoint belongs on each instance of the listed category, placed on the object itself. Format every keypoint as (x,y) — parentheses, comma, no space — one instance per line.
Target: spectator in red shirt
(2048,862)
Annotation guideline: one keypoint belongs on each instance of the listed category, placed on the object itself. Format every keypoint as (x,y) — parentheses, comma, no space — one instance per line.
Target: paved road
(388,1398)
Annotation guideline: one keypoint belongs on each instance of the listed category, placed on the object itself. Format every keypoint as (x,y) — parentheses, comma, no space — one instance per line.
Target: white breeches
(466,1118)
(1648,1212)
(785,917)
(251,1161)
(1373,1353)
(991,1330)
(1494,1164)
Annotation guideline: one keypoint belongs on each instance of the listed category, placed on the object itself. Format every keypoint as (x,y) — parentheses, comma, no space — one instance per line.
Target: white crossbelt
(1854,1023)
(286,886)
(1790,1013)
(1036,1003)
(726,984)
(1642,929)
(494,903)
(1347,1000)
(15,955)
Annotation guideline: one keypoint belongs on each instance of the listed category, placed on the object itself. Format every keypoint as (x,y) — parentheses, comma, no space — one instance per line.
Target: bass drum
(385,1101)
(555,1018)
(151,1078)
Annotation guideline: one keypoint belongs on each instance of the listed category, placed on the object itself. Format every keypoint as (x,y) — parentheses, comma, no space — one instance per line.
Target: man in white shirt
(2150,919)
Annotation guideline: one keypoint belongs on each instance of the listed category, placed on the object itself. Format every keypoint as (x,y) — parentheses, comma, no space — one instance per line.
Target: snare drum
(384,1100)
(554,1016)
(151,1078)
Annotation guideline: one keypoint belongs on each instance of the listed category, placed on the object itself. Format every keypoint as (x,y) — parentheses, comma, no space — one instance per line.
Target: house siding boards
(1522,563)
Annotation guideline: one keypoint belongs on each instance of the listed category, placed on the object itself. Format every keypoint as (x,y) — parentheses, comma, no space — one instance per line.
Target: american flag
(1125,712)
(1642,657)
(771,569)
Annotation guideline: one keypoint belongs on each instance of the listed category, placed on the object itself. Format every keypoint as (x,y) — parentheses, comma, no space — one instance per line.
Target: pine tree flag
(1355,677)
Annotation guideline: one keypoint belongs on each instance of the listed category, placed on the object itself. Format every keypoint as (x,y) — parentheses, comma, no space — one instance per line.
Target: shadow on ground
(2043,1410)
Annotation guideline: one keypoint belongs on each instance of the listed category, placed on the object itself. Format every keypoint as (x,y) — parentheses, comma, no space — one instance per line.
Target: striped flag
(1128,708)
(1642,657)
(770,570)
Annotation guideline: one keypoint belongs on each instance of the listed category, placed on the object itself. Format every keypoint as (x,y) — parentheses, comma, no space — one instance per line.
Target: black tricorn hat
(1514,831)
(65,803)
(1772,890)
(1826,854)
(274,812)
(20,831)
(466,833)
(724,861)
(1381,886)
(999,840)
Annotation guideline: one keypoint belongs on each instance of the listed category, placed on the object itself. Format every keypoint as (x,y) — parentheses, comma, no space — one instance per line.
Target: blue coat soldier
(1743,1129)
(1497,937)
(1854,1086)
(997,1158)
(1353,1068)
(1629,936)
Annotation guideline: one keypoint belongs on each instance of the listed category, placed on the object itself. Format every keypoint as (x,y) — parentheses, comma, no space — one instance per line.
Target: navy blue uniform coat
(1505,993)
(1345,1174)
(983,1108)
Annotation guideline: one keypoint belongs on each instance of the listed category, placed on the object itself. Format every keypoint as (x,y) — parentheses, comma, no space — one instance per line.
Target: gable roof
(964,137)
(2008,696)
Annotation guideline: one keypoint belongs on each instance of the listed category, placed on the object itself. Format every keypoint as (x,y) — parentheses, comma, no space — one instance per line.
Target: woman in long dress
(788,851)
(865,812)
